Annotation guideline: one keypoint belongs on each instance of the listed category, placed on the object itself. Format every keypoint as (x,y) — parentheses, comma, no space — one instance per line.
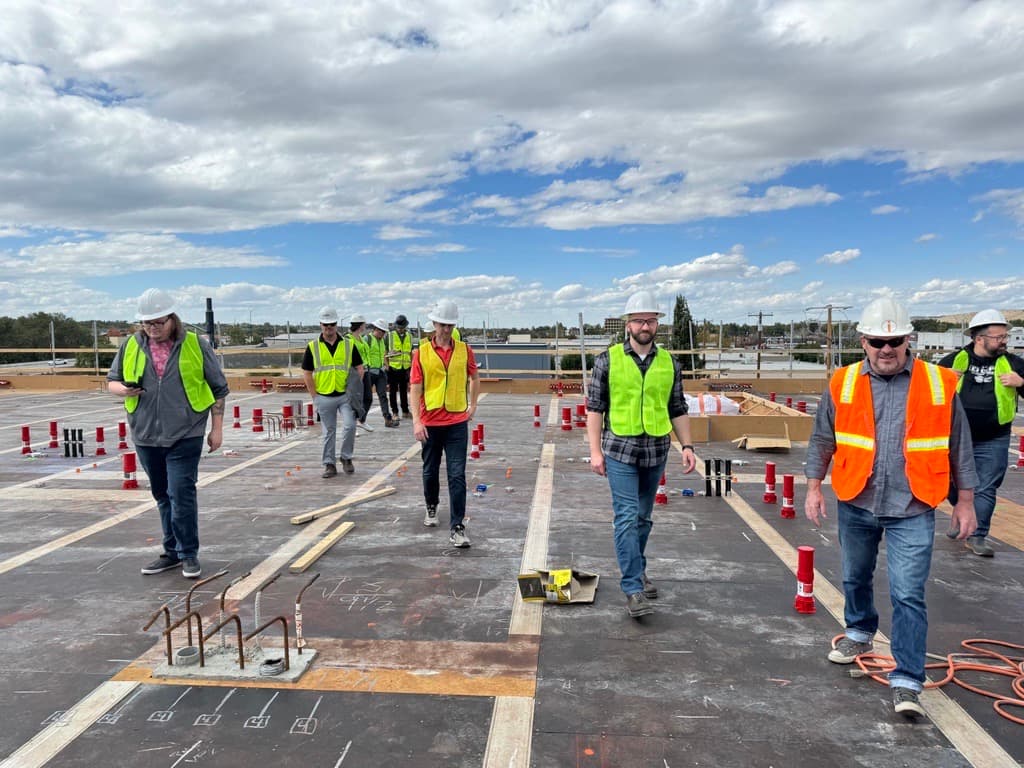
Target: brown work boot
(329,471)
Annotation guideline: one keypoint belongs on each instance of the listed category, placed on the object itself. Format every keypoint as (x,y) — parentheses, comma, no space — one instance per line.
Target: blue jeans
(991,458)
(908,548)
(451,441)
(173,473)
(633,490)
(328,408)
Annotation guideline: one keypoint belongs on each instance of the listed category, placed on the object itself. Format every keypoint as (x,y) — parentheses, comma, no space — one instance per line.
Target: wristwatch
(687,446)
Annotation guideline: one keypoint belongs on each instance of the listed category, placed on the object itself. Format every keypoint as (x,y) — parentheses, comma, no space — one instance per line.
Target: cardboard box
(558,585)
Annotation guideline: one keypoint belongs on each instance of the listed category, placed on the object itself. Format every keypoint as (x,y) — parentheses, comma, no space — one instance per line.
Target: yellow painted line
(965,733)
(82,533)
(46,744)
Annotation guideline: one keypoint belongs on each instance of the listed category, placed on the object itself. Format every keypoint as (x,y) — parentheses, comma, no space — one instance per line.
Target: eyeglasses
(159,323)
(892,343)
(1000,338)
(649,323)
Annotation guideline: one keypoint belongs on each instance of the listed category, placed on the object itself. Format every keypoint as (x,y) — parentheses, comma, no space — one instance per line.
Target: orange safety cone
(567,419)
(238,417)
(100,449)
(661,497)
(536,415)
(53,435)
(581,414)
(804,602)
(257,419)
(26,440)
(480,429)
(122,436)
(788,511)
(474,452)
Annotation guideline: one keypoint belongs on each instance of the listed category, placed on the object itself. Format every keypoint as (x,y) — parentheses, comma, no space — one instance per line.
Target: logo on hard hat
(890,326)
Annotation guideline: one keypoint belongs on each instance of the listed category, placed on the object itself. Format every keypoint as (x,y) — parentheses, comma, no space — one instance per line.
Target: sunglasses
(156,323)
(329,325)
(892,343)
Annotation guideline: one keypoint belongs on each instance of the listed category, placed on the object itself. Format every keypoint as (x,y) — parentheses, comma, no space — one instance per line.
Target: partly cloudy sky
(530,160)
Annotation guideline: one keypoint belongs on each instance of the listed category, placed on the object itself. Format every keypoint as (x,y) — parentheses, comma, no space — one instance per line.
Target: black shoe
(190,568)
(392,422)
(650,591)
(163,563)
(638,606)
(906,702)
(406,414)
(346,465)
(329,470)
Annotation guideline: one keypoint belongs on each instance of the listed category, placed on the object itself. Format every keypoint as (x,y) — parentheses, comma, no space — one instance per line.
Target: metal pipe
(166,611)
(259,595)
(223,597)
(199,624)
(284,625)
(299,641)
(188,597)
(238,629)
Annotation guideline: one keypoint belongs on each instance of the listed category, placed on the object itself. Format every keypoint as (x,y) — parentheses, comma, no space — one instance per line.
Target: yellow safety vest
(398,344)
(375,349)
(1006,397)
(638,403)
(330,372)
(190,368)
(445,387)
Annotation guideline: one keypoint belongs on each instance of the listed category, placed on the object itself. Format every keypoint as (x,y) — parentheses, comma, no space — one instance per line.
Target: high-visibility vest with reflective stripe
(638,403)
(375,349)
(1006,397)
(398,344)
(358,343)
(330,372)
(190,368)
(445,387)
(926,435)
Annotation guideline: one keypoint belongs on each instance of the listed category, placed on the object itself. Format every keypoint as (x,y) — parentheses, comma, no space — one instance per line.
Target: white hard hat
(154,303)
(328,315)
(885,317)
(445,312)
(356,318)
(987,317)
(380,325)
(642,303)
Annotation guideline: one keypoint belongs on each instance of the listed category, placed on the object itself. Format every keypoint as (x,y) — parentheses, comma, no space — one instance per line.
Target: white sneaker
(365,426)
(459,538)
(430,519)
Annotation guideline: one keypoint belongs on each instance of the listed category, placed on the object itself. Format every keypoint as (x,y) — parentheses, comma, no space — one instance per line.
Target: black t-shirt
(307,357)
(978,393)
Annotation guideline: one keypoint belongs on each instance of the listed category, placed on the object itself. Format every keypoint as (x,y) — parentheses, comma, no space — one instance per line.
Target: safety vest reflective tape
(404,346)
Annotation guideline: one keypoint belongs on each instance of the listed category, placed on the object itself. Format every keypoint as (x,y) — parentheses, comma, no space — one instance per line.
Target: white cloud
(840,257)
(927,237)
(420,250)
(13,232)
(398,232)
(884,210)
(1008,202)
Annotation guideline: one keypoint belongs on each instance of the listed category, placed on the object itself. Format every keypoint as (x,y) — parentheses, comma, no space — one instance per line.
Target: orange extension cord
(874,665)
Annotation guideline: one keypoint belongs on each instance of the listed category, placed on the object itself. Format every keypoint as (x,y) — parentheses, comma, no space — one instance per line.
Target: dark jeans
(173,473)
(367,392)
(452,441)
(398,382)
(991,459)
(379,379)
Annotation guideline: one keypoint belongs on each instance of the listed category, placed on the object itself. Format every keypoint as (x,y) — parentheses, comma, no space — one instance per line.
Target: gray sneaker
(906,702)
(459,538)
(979,546)
(650,590)
(846,650)
(637,605)
(430,519)
(190,568)
(364,425)
(163,563)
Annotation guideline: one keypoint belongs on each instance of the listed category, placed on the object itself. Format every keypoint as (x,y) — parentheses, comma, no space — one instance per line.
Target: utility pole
(760,316)
(829,362)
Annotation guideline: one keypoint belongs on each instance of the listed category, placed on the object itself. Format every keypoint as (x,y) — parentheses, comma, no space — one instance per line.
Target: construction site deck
(413,653)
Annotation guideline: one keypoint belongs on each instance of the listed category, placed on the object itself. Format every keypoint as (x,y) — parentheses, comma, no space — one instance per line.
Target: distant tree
(34,331)
(683,332)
